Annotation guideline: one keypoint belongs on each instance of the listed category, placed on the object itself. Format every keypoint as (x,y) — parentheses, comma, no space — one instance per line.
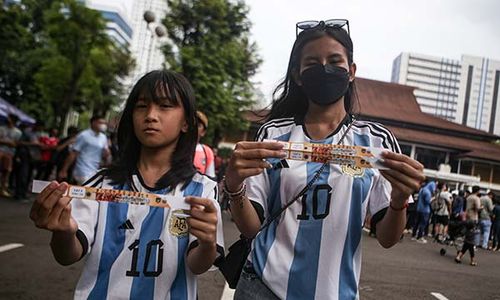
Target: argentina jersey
(313,251)
(136,251)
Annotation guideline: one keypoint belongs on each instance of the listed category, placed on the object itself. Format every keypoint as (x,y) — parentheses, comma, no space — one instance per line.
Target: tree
(210,46)
(58,57)
(75,40)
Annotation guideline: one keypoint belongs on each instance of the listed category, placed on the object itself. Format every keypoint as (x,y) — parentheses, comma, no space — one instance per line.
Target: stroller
(457,231)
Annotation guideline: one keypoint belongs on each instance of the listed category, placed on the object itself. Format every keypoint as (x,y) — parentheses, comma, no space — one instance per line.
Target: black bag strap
(306,188)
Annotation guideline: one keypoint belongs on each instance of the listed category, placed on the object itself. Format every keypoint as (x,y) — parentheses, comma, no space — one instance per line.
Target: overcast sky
(380,30)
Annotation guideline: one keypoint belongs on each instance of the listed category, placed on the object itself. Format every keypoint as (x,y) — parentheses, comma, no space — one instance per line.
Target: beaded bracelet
(234,197)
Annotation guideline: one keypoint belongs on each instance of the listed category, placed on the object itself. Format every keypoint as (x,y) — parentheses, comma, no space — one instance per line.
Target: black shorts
(442,220)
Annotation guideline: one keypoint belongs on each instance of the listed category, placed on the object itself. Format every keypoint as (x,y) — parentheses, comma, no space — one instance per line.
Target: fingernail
(269,166)
(53,185)
(283,153)
(62,187)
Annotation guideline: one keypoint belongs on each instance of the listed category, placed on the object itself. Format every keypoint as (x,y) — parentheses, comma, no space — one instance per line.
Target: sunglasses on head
(332,23)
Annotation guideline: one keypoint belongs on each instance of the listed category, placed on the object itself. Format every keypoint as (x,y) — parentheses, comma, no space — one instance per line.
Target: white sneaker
(413,238)
(422,241)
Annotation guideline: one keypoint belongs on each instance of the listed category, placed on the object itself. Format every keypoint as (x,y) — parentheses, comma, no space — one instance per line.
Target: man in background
(485,218)
(89,150)
(9,136)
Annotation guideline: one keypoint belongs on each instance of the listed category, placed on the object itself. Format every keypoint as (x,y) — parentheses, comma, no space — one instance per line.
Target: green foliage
(225,152)
(63,59)
(210,46)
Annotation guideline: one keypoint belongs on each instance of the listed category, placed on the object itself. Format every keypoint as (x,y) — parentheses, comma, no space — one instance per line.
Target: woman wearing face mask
(312,250)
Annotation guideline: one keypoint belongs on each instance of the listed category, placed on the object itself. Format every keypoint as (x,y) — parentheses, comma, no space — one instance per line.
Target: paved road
(407,271)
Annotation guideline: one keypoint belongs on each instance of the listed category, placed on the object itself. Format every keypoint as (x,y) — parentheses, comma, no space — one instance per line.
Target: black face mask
(325,85)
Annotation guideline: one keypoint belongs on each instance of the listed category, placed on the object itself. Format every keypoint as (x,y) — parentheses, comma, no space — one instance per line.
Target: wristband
(398,209)
(234,197)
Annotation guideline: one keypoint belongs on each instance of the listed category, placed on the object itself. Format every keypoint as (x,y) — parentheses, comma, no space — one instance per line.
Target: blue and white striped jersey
(135,251)
(313,250)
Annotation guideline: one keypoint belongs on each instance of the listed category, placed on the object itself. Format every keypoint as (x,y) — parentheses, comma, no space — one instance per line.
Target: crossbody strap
(306,188)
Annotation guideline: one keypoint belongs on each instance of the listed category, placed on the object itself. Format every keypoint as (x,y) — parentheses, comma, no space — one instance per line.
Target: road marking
(439,296)
(227,293)
(10,247)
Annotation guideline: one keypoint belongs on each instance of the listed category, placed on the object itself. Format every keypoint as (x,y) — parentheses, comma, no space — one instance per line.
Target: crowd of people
(443,215)
(28,151)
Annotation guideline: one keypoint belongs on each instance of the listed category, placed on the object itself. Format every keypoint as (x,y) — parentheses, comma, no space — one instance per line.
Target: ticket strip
(354,156)
(108,195)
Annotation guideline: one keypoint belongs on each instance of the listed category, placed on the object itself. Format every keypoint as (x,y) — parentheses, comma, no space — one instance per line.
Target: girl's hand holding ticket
(248,160)
(52,211)
(203,220)
(404,174)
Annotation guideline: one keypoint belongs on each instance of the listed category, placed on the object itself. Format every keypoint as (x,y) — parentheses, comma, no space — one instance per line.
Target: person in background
(89,150)
(496,225)
(411,214)
(27,158)
(485,218)
(444,199)
(48,145)
(473,204)
(9,136)
(204,156)
(62,151)
(458,207)
(423,211)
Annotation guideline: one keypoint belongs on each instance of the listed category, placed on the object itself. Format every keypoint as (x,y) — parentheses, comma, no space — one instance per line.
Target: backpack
(436,203)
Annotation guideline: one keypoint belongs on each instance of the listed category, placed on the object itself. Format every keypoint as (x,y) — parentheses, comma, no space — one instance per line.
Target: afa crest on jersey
(178,225)
(353,171)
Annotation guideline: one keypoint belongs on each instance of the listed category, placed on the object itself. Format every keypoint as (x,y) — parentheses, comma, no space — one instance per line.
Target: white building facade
(479,85)
(118,24)
(437,81)
(464,91)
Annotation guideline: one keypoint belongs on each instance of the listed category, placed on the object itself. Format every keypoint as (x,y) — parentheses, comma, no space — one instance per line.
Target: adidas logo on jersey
(126,225)
(282,164)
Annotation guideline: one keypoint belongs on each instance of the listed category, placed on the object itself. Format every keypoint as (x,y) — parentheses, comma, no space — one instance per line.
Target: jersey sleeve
(380,194)
(211,192)
(86,214)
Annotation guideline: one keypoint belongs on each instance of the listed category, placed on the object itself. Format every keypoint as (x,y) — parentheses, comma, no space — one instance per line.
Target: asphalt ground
(409,270)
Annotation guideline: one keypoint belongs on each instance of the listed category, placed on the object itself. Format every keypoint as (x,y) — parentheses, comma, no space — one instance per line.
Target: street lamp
(159,31)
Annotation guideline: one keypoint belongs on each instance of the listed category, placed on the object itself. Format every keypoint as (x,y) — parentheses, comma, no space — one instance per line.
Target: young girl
(132,251)
(312,251)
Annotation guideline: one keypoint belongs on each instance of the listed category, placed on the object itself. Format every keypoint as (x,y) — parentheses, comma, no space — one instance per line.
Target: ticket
(356,156)
(119,196)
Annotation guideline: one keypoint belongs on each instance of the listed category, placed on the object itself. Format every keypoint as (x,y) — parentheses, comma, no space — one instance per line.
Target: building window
(466,167)
(431,159)
(483,171)
(454,164)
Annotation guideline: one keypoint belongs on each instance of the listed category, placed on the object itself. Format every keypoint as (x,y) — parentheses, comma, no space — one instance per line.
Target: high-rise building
(479,97)
(146,44)
(118,25)
(464,91)
(437,81)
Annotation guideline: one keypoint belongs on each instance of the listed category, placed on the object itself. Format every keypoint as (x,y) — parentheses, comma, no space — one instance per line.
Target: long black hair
(177,89)
(288,98)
